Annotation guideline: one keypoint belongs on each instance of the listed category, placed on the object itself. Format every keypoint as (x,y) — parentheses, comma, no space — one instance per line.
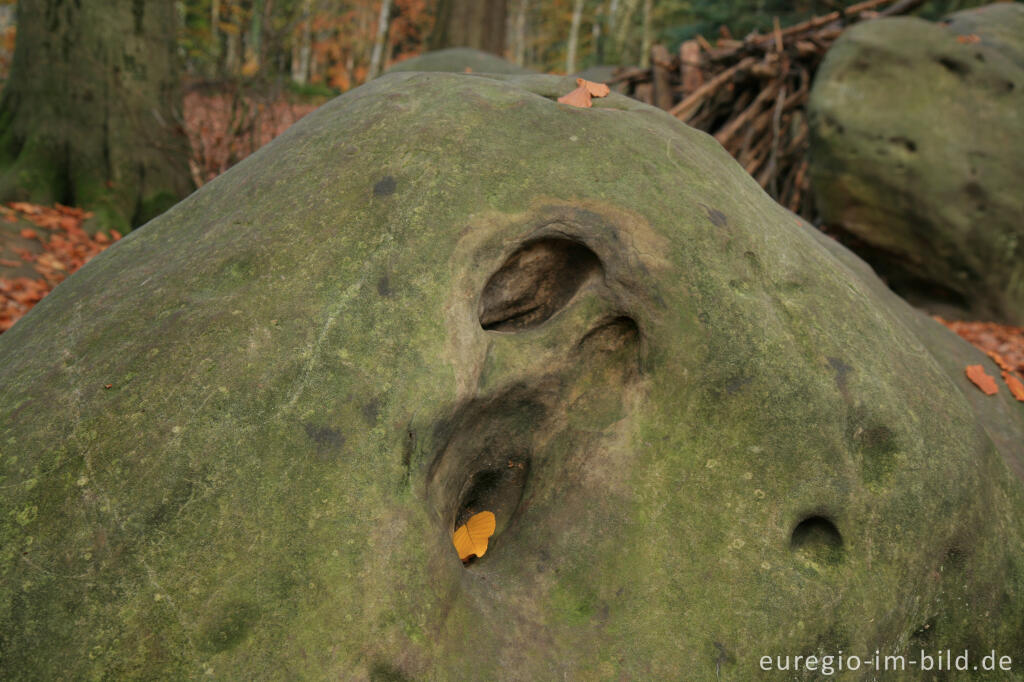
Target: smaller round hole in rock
(818,539)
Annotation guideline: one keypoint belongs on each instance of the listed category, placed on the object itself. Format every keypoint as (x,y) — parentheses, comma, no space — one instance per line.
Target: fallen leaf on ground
(585,90)
(977,375)
(999,360)
(1005,341)
(1015,386)
(66,247)
(471,539)
(969,38)
(23,207)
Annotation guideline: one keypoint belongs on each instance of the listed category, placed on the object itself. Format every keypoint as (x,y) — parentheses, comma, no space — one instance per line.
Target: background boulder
(237,443)
(459,60)
(918,151)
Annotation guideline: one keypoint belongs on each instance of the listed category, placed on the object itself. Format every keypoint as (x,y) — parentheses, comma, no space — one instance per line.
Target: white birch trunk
(574,36)
(378,43)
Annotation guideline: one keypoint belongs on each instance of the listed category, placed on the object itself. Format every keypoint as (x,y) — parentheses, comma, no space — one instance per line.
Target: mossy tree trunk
(471,23)
(91,113)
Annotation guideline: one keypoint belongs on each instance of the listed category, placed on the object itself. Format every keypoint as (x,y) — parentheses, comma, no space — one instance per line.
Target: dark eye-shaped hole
(534,283)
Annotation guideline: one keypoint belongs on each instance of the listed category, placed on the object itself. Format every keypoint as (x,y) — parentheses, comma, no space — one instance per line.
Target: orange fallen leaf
(977,375)
(108,385)
(23,207)
(48,260)
(585,90)
(10,263)
(28,233)
(999,360)
(595,89)
(471,539)
(969,38)
(1015,386)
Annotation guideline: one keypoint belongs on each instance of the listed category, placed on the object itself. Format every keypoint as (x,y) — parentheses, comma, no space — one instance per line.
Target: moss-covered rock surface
(918,151)
(237,443)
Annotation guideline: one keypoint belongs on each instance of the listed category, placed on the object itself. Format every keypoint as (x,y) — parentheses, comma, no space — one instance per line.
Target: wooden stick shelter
(751,94)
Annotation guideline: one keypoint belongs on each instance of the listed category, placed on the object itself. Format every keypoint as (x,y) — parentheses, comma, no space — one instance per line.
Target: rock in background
(918,152)
(459,60)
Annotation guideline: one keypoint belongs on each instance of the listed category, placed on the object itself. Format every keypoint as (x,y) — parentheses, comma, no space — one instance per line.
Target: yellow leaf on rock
(471,539)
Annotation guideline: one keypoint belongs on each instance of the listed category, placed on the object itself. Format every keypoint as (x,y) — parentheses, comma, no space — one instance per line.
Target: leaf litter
(33,260)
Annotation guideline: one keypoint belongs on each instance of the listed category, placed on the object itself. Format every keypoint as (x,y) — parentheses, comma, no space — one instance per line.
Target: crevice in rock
(536,281)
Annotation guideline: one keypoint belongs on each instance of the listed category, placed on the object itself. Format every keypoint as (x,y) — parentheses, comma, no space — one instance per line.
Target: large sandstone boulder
(459,60)
(238,442)
(918,151)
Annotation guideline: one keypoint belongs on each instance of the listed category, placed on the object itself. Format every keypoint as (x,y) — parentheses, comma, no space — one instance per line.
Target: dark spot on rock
(736,383)
(716,217)
(385,187)
(861,63)
(842,370)
(327,439)
(980,57)
(722,656)
(835,125)
(876,444)
(384,286)
(371,410)
(954,66)
(818,539)
(536,281)
(382,672)
(924,634)
(906,143)
(977,196)
(955,558)
(230,626)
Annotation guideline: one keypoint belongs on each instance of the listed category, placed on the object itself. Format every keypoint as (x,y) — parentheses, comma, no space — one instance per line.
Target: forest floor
(40,246)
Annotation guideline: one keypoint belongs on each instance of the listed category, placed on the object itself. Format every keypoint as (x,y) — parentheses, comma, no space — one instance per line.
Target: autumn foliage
(33,260)
(1002,343)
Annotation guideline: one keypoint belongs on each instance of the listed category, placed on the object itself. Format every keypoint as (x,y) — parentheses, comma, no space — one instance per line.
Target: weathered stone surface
(237,442)
(918,150)
(458,60)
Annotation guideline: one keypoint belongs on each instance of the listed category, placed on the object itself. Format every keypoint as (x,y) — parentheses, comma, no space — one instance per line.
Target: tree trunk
(378,42)
(300,58)
(648,35)
(520,32)
(254,42)
(574,36)
(215,37)
(470,23)
(623,22)
(91,113)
